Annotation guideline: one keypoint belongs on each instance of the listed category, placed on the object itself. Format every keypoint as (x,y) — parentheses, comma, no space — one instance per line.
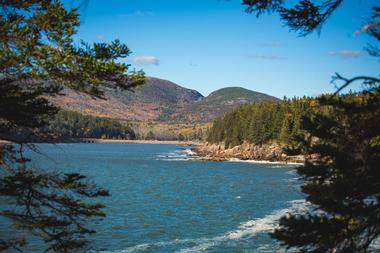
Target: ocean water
(162,200)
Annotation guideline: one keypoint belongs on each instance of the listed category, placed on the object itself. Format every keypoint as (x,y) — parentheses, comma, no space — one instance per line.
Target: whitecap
(177,155)
(189,152)
(247,229)
(145,246)
(264,162)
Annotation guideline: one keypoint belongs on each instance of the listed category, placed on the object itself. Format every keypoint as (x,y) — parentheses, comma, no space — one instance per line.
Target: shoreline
(199,150)
(271,153)
(111,141)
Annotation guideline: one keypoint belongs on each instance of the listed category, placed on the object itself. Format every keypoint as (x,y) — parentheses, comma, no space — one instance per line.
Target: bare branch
(366,80)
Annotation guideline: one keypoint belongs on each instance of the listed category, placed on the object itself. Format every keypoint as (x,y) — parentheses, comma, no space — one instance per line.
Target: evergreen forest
(68,125)
(261,122)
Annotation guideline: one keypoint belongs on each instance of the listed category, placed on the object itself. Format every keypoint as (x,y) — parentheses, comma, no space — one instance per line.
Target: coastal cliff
(272,152)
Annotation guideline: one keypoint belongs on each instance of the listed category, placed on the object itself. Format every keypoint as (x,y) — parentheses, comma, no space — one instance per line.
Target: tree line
(37,45)
(261,122)
(68,124)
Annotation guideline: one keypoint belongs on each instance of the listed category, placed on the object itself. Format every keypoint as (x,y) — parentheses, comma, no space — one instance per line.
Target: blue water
(162,201)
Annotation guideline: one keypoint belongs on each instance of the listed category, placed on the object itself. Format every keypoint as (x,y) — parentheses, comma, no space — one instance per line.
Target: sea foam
(250,228)
(245,230)
(177,155)
(281,163)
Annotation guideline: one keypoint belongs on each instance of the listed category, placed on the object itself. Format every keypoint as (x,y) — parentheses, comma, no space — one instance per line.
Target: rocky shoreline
(272,152)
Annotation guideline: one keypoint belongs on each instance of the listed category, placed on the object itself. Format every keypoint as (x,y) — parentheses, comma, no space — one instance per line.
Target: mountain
(149,102)
(220,102)
(159,101)
(158,91)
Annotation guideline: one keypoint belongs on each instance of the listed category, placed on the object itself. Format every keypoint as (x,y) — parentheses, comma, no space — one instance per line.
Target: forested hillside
(68,125)
(261,122)
(162,108)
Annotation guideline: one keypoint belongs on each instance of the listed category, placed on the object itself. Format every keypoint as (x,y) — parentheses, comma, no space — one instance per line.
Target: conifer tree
(286,128)
(341,182)
(37,59)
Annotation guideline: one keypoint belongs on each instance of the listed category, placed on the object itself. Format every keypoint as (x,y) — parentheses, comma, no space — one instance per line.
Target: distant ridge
(160,101)
(159,91)
(222,101)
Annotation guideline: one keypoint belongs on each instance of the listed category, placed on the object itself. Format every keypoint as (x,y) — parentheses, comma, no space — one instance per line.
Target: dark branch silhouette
(365,80)
(341,140)
(38,58)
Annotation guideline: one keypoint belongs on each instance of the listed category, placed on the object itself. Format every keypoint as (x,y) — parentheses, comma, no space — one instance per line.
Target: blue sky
(210,44)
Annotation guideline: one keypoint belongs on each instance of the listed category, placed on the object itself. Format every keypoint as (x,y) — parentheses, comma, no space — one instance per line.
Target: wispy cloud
(274,44)
(146,60)
(346,54)
(137,13)
(269,57)
(100,37)
(142,13)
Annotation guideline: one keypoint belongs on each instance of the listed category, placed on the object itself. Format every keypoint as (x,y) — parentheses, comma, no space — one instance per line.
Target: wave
(245,230)
(189,152)
(177,155)
(249,228)
(264,162)
(146,246)
(189,155)
(294,174)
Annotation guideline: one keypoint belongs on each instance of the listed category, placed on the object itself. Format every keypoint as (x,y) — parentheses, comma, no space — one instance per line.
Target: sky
(210,44)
